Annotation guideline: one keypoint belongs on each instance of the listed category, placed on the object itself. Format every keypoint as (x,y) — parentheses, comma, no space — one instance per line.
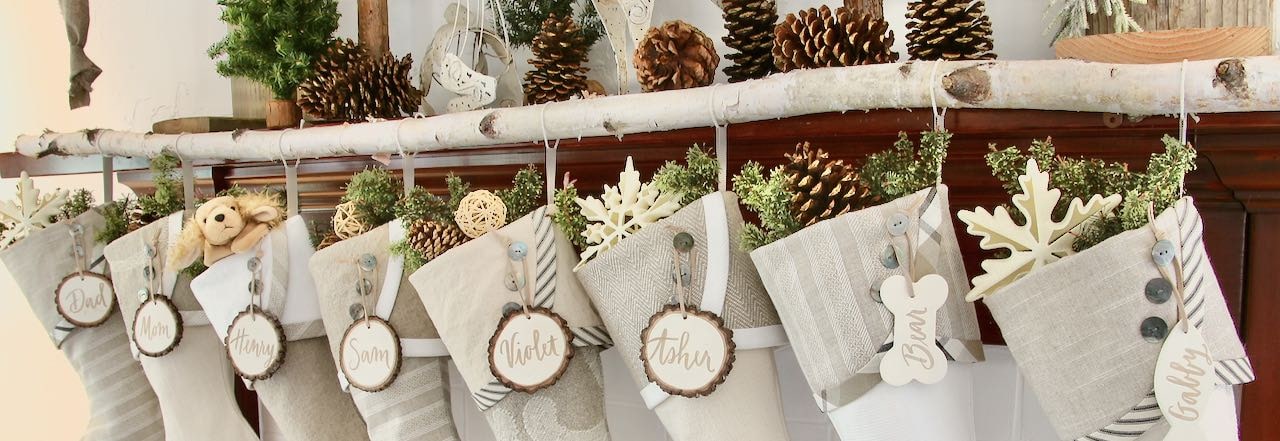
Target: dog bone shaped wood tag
(915,354)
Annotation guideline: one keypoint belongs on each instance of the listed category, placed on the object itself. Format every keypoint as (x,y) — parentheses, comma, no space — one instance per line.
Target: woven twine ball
(480,212)
(346,224)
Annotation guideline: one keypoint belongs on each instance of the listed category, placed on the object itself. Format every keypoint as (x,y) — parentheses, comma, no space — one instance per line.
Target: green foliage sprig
(1159,186)
(419,204)
(274,42)
(115,216)
(568,216)
(80,201)
(767,197)
(525,18)
(697,177)
(525,193)
(905,169)
(458,189)
(167,197)
(373,194)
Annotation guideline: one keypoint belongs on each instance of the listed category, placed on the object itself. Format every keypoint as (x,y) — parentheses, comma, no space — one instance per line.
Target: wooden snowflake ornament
(29,211)
(1038,242)
(623,210)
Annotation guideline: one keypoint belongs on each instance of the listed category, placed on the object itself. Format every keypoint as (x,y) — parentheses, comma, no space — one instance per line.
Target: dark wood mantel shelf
(1236,185)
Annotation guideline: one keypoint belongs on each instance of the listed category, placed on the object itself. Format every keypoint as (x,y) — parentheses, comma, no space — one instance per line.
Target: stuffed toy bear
(224,226)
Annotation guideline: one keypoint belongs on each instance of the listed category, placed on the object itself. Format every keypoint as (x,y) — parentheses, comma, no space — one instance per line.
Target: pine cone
(559,51)
(820,38)
(351,85)
(432,238)
(750,24)
(949,30)
(822,188)
(674,56)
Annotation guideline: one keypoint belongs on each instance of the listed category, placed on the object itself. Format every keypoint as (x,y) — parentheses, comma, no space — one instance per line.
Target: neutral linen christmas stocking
(825,280)
(1086,331)
(122,405)
(464,292)
(303,396)
(416,405)
(197,369)
(633,280)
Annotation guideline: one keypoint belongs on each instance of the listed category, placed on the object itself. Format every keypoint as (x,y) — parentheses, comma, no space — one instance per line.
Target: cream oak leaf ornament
(1039,241)
(29,212)
(623,210)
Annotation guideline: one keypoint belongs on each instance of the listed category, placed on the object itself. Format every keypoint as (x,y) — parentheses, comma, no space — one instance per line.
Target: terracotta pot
(283,113)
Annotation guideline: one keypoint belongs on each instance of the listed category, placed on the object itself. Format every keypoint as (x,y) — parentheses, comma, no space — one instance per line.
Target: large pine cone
(820,38)
(949,30)
(351,85)
(822,188)
(433,238)
(559,51)
(675,55)
(750,24)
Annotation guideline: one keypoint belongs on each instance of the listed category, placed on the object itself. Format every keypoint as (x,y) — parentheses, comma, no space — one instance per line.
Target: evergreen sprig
(697,177)
(904,169)
(274,42)
(1159,186)
(525,17)
(419,204)
(80,201)
(115,217)
(568,216)
(524,195)
(373,193)
(767,197)
(1073,18)
(413,259)
(458,189)
(168,197)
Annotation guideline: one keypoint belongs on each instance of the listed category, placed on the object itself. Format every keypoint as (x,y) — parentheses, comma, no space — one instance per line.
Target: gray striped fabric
(122,405)
(1073,328)
(416,406)
(823,280)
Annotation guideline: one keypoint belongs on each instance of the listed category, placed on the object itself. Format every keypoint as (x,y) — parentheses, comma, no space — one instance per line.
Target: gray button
(875,291)
(517,251)
(143,295)
(889,257)
(356,310)
(1159,290)
(79,250)
(148,273)
(510,306)
(897,224)
(364,287)
(151,251)
(682,242)
(254,262)
(255,287)
(1154,329)
(368,262)
(1163,252)
(77,229)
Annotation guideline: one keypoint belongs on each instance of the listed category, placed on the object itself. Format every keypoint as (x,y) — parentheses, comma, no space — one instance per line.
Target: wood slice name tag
(85,299)
(255,344)
(370,354)
(530,351)
(915,355)
(687,353)
(1184,383)
(157,327)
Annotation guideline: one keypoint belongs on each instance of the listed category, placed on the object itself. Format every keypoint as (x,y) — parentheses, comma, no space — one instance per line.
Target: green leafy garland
(274,42)
(525,17)
(905,169)
(1159,186)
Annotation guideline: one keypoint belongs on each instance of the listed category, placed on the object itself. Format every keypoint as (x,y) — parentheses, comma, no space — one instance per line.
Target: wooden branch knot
(1231,75)
(970,85)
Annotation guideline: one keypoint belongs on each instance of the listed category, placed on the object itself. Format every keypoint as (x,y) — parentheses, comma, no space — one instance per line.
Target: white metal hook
(938,117)
(407,173)
(550,150)
(1182,120)
(722,141)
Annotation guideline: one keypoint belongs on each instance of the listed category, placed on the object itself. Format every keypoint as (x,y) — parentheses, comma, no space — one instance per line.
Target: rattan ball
(480,212)
(346,224)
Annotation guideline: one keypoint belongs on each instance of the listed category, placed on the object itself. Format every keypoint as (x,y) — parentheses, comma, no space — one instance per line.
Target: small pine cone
(822,188)
(949,30)
(432,238)
(675,55)
(559,51)
(328,240)
(750,24)
(816,38)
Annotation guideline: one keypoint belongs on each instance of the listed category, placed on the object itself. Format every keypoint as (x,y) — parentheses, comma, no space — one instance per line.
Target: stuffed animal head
(225,225)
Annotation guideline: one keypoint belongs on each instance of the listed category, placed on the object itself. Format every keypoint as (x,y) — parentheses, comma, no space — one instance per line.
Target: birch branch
(1215,86)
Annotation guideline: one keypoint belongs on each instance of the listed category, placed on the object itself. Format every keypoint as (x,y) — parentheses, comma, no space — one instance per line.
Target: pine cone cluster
(822,188)
(349,84)
(433,238)
(750,24)
(559,51)
(675,55)
(949,30)
(821,38)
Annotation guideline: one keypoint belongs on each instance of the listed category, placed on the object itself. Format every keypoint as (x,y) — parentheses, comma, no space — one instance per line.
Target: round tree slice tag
(255,344)
(530,351)
(85,299)
(157,327)
(687,353)
(370,354)
(1184,383)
